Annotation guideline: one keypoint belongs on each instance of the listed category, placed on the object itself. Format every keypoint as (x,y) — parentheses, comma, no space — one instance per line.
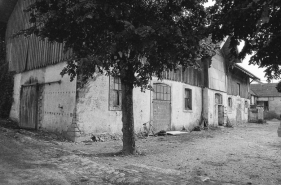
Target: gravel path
(246,154)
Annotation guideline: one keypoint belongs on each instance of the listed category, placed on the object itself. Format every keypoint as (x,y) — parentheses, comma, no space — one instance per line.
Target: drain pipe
(202,109)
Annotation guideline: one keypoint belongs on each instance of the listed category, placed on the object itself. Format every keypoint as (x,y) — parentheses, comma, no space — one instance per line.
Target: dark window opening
(238,89)
(117,92)
(187,99)
(230,102)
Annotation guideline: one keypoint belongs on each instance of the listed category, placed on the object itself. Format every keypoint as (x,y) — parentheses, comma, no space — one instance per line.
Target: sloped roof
(252,92)
(251,75)
(6,8)
(266,89)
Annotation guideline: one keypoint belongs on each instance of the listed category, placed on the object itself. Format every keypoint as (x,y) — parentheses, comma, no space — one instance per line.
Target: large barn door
(161,107)
(28,107)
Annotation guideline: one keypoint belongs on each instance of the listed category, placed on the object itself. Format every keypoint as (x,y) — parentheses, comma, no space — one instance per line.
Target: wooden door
(220,115)
(28,107)
(161,107)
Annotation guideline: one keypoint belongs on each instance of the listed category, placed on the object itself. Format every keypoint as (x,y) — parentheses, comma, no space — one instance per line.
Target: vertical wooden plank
(60,52)
(45,52)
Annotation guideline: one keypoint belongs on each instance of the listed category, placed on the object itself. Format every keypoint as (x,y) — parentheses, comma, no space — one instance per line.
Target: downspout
(150,103)
(202,109)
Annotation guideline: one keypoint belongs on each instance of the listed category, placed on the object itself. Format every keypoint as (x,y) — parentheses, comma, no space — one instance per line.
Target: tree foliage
(278,86)
(144,37)
(257,22)
(129,39)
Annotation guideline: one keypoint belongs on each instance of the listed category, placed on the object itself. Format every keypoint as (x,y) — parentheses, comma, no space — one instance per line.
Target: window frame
(218,97)
(239,89)
(185,102)
(161,92)
(117,91)
(115,94)
(229,102)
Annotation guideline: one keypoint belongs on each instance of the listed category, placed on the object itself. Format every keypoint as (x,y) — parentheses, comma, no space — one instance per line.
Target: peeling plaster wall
(51,97)
(179,117)
(58,100)
(232,112)
(211,110)
(274,104)
(94,115)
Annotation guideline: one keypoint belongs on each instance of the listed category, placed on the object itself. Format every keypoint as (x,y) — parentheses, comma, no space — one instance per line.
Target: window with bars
(187,99)
(117,92)
(161,92)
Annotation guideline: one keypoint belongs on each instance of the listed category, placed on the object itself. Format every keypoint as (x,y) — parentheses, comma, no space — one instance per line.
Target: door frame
(170,100)
(217,105)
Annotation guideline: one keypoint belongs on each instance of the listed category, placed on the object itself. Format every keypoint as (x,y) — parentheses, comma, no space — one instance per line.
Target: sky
(254,69)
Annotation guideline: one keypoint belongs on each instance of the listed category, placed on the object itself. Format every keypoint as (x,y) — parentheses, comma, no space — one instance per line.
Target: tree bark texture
(128,130)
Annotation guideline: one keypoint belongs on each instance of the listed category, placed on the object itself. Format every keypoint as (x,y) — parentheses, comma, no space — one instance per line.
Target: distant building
(267,96)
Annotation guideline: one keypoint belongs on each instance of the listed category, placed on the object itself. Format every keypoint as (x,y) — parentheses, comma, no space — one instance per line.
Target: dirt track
(247,154)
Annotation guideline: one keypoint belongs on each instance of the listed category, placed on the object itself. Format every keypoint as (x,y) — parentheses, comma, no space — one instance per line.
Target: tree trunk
(128,130)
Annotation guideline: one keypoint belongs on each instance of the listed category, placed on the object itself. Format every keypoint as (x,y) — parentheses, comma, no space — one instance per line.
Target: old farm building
(45,100)
(267,96)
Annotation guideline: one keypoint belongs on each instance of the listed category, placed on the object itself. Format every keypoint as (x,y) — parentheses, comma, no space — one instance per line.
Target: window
(117,92)
(230,102)
(161,92)
(238,89)
(218,99)
(187,99)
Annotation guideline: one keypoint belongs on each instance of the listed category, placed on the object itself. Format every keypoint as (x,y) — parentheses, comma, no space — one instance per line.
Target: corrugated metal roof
(6,8)
(265,90)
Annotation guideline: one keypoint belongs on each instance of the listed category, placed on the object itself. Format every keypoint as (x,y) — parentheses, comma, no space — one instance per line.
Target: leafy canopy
(132,39)
(257,22)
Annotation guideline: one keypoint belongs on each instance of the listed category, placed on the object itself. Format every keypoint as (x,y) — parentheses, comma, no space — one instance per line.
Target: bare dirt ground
(246,154)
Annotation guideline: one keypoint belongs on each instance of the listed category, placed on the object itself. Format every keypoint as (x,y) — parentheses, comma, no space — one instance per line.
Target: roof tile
(266,89)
